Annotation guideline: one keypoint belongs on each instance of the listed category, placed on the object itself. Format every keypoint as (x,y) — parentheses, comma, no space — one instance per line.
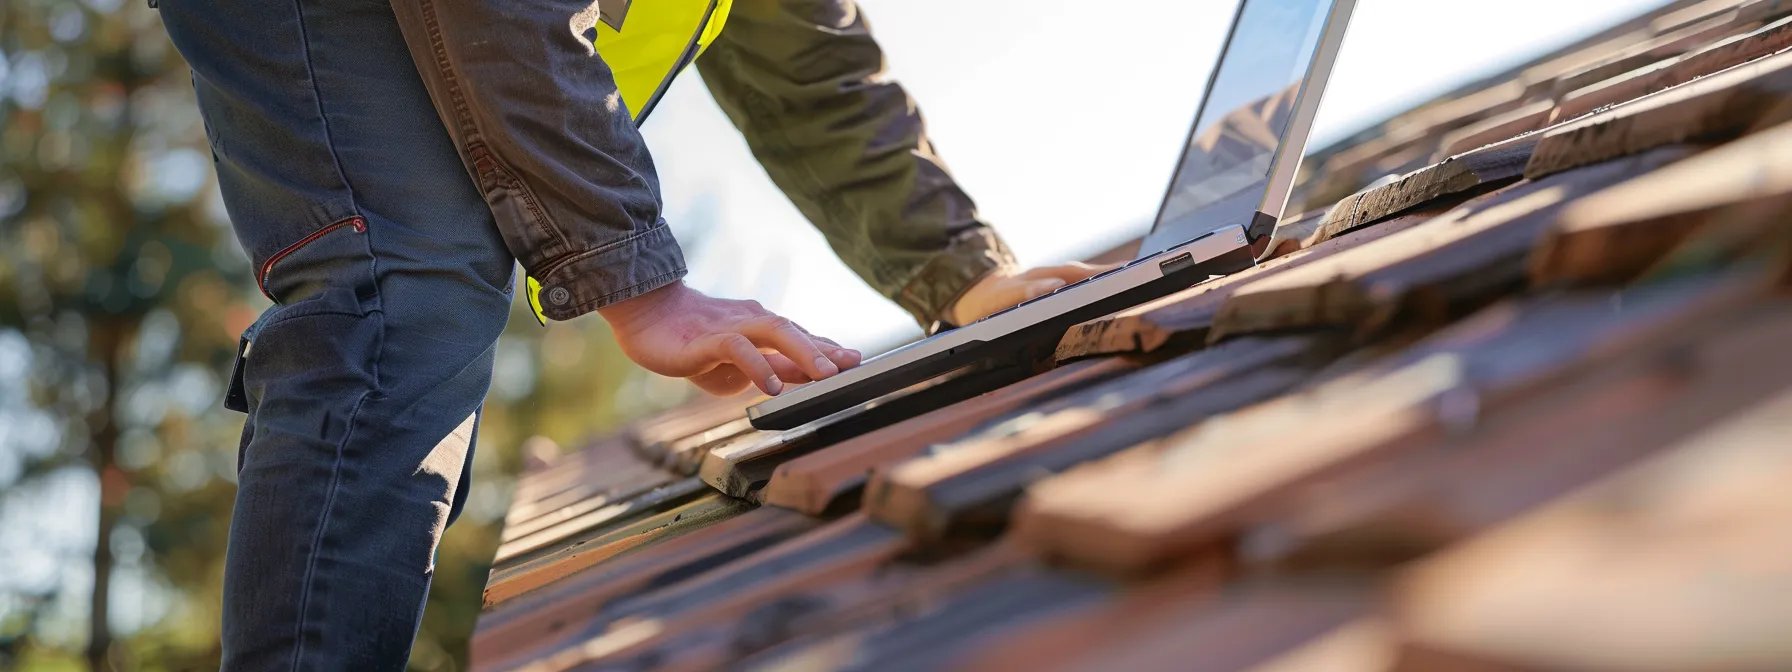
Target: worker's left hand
(1007,286)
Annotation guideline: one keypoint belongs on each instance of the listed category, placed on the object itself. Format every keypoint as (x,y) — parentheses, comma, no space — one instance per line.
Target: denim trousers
(363,383)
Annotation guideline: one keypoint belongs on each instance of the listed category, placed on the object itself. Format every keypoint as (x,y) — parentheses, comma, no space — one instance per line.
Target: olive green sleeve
(804,82)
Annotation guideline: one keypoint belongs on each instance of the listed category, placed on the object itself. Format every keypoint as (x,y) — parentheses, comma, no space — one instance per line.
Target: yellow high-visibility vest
(646,43)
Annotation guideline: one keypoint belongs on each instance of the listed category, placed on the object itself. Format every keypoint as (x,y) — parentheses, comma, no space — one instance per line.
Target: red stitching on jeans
(261,279)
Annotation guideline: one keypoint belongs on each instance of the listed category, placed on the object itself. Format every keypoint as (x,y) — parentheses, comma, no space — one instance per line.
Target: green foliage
(122,293)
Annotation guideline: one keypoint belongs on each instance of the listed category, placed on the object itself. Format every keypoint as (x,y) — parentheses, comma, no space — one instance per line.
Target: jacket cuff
(950,273)
(622,270)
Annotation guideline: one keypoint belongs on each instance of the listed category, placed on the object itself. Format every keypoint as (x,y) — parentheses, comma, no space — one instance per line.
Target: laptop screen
(1225,167)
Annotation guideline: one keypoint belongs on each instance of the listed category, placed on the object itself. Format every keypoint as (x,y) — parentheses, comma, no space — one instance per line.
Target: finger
(1038,288)
(738,350)
(844,357)
(787,370)
(1071,272)
(779,334)
(723,381)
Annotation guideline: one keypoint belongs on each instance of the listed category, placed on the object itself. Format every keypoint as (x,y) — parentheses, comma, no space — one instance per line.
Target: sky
(1063,119)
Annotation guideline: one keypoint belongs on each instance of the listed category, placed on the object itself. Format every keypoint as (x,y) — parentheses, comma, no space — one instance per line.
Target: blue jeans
(363,384)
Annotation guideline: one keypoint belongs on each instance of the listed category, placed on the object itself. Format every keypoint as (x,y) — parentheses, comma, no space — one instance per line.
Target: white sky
(1062,120)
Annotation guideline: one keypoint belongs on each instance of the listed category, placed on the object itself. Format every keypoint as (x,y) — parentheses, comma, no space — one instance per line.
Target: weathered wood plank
(590,465)
(1671,72)
(519,628)
(1425,274)
(1682,563)
(1145,508)
(739,468)
(974,618)
(843,550)
(1476,171)
(654,436)
(1290,234)
(521,574)
(515,550)
(1532,117)
(966,487)
(1706,110)
(1512,457)
(816,482)
(720,635)
(1617,234)
(553,511)
(1181,320)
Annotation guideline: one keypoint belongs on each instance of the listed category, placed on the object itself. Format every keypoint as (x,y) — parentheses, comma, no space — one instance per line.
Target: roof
(1513,395)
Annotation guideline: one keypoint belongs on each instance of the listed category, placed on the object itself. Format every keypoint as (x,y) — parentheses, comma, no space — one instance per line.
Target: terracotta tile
(1712,108)
(1427,273)
(517,630)
(1511,457)
(817,608)
(815,482)
(1681,563)
(589,466)
(985,613)
(1475,172)
(1531,117)
(743,466)
(654,435)
(1143,509)
(511,579)
(967,486)
(1617,234)
(1180,321)
(637,626)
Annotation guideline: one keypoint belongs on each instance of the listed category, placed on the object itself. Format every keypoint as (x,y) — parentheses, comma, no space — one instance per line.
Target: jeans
(363,384)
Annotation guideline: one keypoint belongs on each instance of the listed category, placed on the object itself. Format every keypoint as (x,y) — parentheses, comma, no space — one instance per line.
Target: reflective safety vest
(647,43)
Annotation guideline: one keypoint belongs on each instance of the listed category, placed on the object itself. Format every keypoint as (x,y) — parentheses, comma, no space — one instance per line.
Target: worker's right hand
(721,346)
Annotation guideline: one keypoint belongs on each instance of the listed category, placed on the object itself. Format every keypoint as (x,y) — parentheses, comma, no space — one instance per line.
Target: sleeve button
(559,296)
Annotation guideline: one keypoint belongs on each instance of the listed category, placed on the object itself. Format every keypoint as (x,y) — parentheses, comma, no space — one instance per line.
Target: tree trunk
(107,338)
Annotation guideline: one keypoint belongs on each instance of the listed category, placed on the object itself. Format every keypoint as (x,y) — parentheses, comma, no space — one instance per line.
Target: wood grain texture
(634,627)
(816,482)
(1711,109)
(814,608)
(587,467)
(1531,449)
(654,435)
(1616,235)
(519,575)
(1181,321)
(978,616)
(1478,170)
(1248,625)
(1145,508)
(518,629)
(554,511)
(1702,584)
(1425,274)
(1671,72)
(1531,117)
(966,487)
(676,491)
(742,467)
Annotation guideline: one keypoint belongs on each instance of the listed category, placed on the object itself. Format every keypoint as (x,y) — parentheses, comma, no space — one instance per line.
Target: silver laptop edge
(1224,243)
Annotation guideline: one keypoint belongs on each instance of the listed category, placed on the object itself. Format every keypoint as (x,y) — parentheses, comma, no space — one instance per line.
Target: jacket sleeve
(804,82)
(538,121)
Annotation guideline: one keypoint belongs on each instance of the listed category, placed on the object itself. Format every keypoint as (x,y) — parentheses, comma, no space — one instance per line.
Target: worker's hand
(719,345)
(1005,287)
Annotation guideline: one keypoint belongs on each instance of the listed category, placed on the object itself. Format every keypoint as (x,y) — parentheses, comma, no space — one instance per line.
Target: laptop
(1229,188)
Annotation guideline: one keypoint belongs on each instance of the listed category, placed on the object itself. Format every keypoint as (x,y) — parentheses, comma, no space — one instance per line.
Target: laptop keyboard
(1078,283)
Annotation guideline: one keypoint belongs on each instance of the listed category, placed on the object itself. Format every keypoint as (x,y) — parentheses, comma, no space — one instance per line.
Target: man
(345,133)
